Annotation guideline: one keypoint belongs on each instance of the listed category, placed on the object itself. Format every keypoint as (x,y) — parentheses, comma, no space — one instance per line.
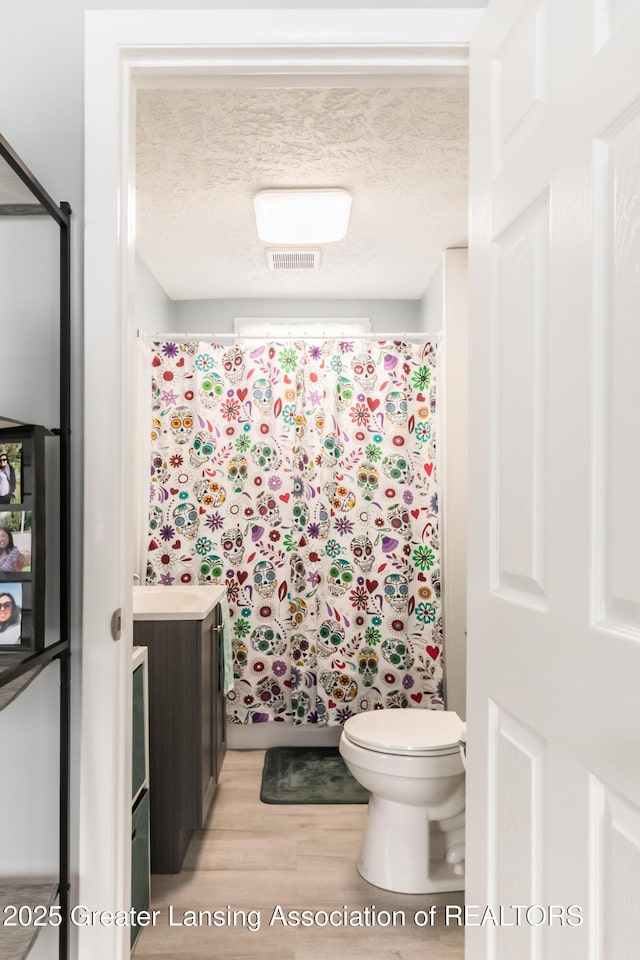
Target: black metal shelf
(18,671)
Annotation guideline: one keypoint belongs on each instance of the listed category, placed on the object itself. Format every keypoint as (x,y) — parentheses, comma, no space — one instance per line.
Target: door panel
(553,807)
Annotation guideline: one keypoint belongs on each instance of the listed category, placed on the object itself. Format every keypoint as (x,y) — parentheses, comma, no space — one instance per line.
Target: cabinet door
(208,662)
(140,860)
(219,711)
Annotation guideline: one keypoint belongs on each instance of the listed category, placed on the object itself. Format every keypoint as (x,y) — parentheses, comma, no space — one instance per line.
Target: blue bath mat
(308,775)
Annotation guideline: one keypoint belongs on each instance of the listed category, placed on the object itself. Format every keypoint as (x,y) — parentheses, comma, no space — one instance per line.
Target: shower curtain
(302,475)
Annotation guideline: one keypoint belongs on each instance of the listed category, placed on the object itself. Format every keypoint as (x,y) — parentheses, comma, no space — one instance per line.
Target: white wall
(153,312)
(432,303)
(153,308)
(201,316)
(452,461)
(29,325)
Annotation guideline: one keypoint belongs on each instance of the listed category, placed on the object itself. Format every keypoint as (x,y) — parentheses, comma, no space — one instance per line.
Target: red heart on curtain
(202,510)
(371,585)
(422,577)
(153,545)
(156,362)
(313,377)
(242,394)
(287,683)
(180,362)
(286,379)
(417,697)
(420,397)
(173,491)
(433,652)
(242,575)
(331,704)
(428,467)
(284,497)
(415,514)
(372,404)
(177,544)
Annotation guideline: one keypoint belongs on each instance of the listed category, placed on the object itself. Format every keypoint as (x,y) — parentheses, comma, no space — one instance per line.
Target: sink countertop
(176,603)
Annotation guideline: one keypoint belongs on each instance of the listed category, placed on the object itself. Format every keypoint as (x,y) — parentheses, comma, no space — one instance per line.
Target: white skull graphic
(344,393)
(265,456)
(263,394)
(300,705)
(367,665)
(302,652)
(209,492)
(298,611)
(264,578)
(341,497)
(332,449)
(397,653)
(186,519)
(237,470)
(268,641)
(362,550)
(340,577)
(233,545)
(270,694)
(364,371)
(300,514)
(396,407)
(211,570)
(298,573)
(396,591)
(398,517)
(301,425)
(324,521)
(233,364)
(330,637)
(367,478)
(267,508)
(398,468)
(239,653)
(181,422)
(202,449)
(211,390)
(339,686)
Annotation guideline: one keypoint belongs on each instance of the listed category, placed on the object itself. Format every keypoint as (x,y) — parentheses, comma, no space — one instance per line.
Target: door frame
(124,50)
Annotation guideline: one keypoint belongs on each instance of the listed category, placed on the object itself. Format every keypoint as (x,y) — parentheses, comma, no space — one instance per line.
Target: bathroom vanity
(181,627)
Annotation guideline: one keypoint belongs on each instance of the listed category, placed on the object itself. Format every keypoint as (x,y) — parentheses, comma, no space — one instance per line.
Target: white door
(554,570)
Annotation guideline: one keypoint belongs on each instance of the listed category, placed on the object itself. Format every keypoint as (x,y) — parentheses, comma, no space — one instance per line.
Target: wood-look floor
(254,856)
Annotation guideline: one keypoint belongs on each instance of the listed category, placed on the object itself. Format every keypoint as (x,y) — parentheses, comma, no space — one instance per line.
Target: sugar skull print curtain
(302,475)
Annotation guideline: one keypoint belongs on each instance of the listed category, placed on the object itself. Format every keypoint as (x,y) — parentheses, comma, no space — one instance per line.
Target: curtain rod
(374,335)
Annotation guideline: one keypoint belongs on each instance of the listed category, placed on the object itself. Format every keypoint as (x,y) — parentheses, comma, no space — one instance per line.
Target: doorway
(124,50)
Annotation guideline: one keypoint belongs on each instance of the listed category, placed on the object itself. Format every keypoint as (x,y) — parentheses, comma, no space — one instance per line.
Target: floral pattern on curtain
(302,474)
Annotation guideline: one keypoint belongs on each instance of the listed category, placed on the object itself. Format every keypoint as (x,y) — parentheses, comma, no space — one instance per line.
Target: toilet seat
(412,732)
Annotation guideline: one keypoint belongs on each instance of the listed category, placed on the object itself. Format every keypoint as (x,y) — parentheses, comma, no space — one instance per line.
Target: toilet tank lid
(405,731)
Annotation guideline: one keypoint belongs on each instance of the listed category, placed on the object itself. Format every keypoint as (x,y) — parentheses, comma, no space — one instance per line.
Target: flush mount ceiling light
(302,216)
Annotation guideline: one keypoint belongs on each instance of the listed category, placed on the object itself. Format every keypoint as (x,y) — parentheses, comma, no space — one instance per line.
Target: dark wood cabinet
(187,739)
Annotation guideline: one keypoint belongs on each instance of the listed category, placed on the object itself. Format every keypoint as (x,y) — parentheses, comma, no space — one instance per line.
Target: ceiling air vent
(293,259)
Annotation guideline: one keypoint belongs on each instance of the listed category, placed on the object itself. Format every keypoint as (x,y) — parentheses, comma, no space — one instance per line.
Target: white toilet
(410,761)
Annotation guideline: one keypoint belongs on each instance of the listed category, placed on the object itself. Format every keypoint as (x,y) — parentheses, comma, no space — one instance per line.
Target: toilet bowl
(410,761)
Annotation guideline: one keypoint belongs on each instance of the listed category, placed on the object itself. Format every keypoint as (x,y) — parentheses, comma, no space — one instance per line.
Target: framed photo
(10,472)
(10,615)
(22,538)
(15,542)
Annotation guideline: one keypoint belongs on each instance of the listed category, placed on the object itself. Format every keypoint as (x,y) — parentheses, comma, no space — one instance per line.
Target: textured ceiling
(202,154)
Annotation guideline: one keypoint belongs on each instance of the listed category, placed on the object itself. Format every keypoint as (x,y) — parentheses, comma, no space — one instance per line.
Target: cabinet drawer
(139,731)
(140,860)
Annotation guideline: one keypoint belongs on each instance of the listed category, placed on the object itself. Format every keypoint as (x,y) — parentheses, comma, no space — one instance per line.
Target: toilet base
(404,852)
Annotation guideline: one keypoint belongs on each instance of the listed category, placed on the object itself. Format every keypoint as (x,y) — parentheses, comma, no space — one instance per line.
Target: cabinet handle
(217,629)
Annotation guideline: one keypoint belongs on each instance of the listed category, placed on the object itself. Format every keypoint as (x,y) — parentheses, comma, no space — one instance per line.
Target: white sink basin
(175,603)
